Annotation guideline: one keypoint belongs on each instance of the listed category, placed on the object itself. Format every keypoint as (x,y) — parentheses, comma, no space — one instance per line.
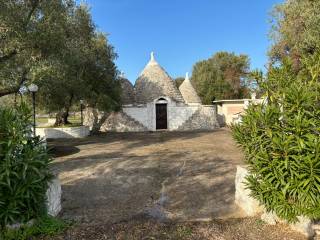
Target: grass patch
(41,120)
(63,126)
(71,119)
(45,226)
(183,232)
(260,223)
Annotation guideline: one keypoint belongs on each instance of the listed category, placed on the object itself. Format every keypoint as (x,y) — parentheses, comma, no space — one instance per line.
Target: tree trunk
(62,116)
(98,121)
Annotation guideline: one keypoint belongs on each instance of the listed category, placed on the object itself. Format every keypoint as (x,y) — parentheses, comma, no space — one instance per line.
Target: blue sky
(182,32)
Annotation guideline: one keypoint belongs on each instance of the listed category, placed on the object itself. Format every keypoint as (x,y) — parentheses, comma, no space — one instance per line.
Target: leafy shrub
(46,226)
(24,168)
(281,142)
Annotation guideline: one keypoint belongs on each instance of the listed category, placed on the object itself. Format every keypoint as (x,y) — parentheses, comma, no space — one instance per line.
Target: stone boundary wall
(180,117)
(67,132)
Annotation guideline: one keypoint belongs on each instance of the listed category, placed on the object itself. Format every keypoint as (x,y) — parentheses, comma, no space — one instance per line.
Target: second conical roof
(188,92)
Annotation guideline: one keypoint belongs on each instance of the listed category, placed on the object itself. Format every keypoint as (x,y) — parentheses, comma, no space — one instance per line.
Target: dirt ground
(150,184)
(147,229)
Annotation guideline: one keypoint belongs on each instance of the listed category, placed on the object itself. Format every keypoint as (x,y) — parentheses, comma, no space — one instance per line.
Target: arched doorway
(161,114)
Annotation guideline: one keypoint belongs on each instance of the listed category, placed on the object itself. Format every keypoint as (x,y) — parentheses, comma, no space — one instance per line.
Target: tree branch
(8,56)
(15,89)
(34,5)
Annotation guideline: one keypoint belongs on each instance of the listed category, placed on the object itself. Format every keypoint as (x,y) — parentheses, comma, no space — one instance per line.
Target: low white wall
(67,132)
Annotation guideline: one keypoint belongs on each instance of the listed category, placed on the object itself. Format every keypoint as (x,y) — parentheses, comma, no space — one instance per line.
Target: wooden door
(161,116)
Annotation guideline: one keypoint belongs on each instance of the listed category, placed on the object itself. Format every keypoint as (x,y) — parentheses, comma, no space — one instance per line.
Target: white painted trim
(237,100)
(232,100)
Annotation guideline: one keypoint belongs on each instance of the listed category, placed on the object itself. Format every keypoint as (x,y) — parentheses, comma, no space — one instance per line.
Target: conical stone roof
(188,92)
(155,82)
(127,93)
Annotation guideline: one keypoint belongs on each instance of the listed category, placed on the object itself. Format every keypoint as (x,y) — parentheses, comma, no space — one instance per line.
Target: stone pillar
(249,205)
(54,197)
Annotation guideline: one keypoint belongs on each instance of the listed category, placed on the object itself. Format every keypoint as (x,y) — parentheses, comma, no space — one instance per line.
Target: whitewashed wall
(66,132)
(140,114)
(146,114)
(178,115)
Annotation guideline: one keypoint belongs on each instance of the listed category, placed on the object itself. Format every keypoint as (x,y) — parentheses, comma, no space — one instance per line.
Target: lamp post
(81,110)
(33,89)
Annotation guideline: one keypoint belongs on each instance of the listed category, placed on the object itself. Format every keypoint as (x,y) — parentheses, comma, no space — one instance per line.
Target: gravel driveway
(163,185)
(181,176)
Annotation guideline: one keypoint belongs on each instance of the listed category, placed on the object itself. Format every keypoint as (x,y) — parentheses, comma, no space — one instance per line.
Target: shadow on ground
(181,176)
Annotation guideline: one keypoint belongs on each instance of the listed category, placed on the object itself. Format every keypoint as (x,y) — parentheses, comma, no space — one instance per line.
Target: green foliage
(182,232)
(223,76)
(86,71)
(295,30)
(178,81)
(24,168)
(30,33)
(56,45)
(281,141)
(46,226)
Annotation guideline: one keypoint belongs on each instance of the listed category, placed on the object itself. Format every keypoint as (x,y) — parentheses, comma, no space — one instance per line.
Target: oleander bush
(24,168)
(281,141)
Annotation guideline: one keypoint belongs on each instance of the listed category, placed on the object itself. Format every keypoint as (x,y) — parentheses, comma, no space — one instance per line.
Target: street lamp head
(81,101)
(33,88)
(23,90)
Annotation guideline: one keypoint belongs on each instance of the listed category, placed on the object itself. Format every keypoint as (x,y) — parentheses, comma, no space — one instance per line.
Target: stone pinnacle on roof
(152,56)
(188,92)
(155,82)
(152,60)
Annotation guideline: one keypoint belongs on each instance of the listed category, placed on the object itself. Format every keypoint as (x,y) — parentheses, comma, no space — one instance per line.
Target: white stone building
(155,103)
